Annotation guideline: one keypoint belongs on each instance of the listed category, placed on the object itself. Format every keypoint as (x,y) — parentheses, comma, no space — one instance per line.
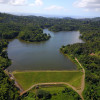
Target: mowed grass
(51,88)
(29,78)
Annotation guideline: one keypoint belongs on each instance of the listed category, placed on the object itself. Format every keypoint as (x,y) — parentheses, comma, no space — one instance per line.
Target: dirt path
(11,76)
(16,84)
(83,80)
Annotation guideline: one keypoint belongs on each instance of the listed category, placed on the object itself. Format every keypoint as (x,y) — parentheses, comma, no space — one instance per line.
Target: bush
(43,94)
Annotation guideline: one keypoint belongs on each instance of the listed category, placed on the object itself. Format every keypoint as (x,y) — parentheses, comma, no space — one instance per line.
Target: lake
(42,55)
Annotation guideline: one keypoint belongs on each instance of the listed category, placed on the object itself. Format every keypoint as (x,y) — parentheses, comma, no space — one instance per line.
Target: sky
(82,8)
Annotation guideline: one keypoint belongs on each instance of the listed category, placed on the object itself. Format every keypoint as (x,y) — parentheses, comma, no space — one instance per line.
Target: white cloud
(18,2)
(88,4)
(22,2)
(14,2)
(57,8)
(37,3)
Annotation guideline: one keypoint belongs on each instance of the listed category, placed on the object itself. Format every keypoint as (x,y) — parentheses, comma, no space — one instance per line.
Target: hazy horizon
(49,15)
(62,8)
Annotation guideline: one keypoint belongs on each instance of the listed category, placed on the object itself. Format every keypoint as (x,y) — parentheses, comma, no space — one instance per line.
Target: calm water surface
(44,55)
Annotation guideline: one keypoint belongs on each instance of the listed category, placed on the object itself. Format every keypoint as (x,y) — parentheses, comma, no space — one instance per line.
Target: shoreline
(19,71)
(73,60)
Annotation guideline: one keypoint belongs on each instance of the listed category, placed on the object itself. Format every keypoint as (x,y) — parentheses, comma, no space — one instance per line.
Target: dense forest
(24,28)
(30,28)
(7,89)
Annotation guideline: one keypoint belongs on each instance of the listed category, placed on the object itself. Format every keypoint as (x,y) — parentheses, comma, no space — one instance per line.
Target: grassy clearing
(27,79)
(57,92)
(53,89)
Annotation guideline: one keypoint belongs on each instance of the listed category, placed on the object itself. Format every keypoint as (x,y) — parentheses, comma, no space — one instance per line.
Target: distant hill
(96,19)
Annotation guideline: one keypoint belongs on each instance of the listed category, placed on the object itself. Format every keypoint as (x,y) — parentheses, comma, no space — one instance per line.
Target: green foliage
(4,62)
(28,96)
(33,35)
(25,28)
(92,92)
(3,44)
(7,89)
(43,94)
(71,93)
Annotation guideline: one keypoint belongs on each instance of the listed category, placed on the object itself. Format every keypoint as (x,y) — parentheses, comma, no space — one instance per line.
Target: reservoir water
(42,55)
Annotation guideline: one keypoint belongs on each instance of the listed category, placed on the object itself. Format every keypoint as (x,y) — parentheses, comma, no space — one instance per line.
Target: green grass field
(29,78)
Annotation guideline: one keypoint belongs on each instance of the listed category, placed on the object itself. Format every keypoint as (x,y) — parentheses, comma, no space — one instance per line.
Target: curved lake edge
(59,52)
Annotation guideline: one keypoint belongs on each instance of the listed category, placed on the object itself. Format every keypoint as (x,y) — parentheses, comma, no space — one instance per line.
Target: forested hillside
(25,28)
(7,89)
(30,28)
(88,54)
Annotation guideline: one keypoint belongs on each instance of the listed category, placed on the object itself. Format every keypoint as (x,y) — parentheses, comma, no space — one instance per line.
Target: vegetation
(22,28)
(88,55)
(33,34)
(30,28)
(25,81)
(52,93)
(7,89)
